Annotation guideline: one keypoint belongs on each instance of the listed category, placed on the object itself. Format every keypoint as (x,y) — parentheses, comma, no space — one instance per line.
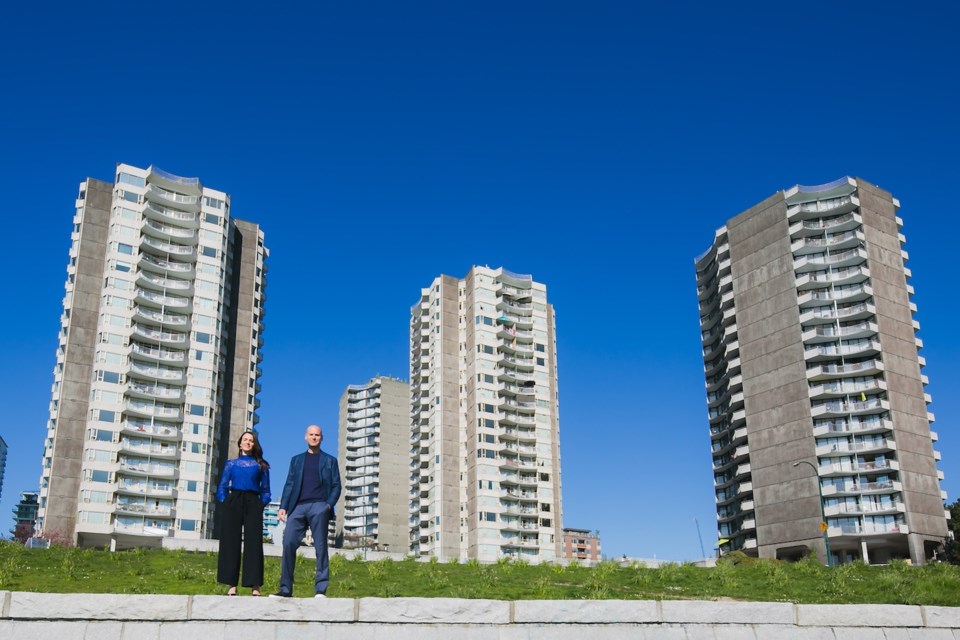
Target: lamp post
(823,515)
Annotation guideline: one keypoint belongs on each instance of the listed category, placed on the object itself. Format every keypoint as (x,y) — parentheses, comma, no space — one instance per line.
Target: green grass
(60,570)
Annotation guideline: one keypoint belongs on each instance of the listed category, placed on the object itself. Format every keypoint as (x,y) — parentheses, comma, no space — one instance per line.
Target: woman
(243,493)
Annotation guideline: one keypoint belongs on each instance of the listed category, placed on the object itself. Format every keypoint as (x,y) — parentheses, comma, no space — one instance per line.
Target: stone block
(264,608)
(141,631)
(104,631)
(707,612)
(44,630)
(858,615)
(97,606)
(791,632)
(929,634)
(301,630)
(205,630)
(942,617)
(858,633)
(585,611)
(434,611)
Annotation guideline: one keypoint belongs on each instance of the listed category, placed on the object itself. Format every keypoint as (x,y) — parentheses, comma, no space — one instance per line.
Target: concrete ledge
(30,616)
(96,606)
(585,611)
(210,608)
(859,615)
(434,610)
(687,611)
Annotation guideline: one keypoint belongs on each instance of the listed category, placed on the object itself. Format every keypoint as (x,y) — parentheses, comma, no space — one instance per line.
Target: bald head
(313,436)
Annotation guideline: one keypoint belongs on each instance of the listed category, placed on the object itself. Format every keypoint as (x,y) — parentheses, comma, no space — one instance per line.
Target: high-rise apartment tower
(374,454)
(485,447)
(157,365)
(816,398)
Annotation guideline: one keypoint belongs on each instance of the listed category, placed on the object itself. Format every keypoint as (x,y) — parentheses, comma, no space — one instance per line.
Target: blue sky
(596,146)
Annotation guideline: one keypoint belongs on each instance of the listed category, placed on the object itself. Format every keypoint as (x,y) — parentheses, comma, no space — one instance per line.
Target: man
(309,495)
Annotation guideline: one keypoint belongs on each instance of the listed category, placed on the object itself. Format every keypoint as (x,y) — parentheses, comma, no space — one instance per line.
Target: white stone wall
(43,616)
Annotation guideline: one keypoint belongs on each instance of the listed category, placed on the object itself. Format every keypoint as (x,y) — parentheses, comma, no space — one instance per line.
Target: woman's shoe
(255,593)
(232,591)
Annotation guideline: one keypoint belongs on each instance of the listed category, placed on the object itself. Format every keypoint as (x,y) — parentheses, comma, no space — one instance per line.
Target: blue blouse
(244,474)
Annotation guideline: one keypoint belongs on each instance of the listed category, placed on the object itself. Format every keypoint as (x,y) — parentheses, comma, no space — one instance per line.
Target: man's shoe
(281,594)
(321,595)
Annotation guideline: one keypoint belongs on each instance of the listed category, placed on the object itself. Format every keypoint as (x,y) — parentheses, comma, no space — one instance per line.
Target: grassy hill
(64,570)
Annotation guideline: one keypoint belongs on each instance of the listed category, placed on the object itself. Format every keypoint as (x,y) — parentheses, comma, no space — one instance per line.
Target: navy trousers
(316,515)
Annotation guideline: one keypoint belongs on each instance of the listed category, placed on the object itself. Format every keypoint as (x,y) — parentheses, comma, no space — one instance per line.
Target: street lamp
(823,515)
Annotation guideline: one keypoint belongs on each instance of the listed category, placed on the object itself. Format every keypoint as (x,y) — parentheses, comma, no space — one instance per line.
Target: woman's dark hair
(257,452)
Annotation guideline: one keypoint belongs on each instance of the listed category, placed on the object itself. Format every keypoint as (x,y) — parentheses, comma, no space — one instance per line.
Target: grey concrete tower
(157,365)
(484,430)
(815,393)
(374,454)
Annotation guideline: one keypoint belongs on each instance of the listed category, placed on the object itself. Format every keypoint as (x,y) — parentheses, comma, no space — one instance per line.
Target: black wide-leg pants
(242,522)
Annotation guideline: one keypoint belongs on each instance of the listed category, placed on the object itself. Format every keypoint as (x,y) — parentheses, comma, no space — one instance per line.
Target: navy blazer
(329,479)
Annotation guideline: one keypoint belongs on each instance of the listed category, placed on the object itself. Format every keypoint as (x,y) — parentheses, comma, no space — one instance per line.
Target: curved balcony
(174,182)
(840,259)
(171,285)
(828,207)
(139,487)
(510,375)
(840,277)
(830,351)
(151,263)
(168,198)
(142,314)
(842,222)
(159,337)
(152,410)
(520,322)
(850,426)
(839,388)
(130,508)
(156,392)
(835,241)
(143,467)
(872,445)
(169,232)
(847,468)
(168,376)
(513,307)
(160,213)
(148,449)
(509,404)
(167,249)
(151,298)
(142,428)
(836,409)
(517,293)
(154,354)
(512,334)
(866,368)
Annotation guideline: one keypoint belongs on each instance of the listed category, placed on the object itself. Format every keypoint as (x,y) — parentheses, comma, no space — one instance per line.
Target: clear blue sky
(596,146)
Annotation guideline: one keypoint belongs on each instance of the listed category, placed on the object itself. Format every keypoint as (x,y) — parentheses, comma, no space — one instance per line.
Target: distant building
(484,430)
(374,450)
(581,544)
(815,392)
(271,521)
(158,358)
(25,516)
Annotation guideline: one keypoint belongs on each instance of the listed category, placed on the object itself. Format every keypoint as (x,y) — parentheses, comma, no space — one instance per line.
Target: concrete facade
(157,366)
(374,446)
(29,616)
(484,433)
(811,363)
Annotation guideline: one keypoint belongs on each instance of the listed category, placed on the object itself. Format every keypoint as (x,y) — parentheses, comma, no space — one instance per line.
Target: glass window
(131,179)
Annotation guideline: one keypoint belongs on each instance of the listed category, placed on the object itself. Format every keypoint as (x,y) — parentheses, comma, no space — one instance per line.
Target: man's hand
(282,514)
